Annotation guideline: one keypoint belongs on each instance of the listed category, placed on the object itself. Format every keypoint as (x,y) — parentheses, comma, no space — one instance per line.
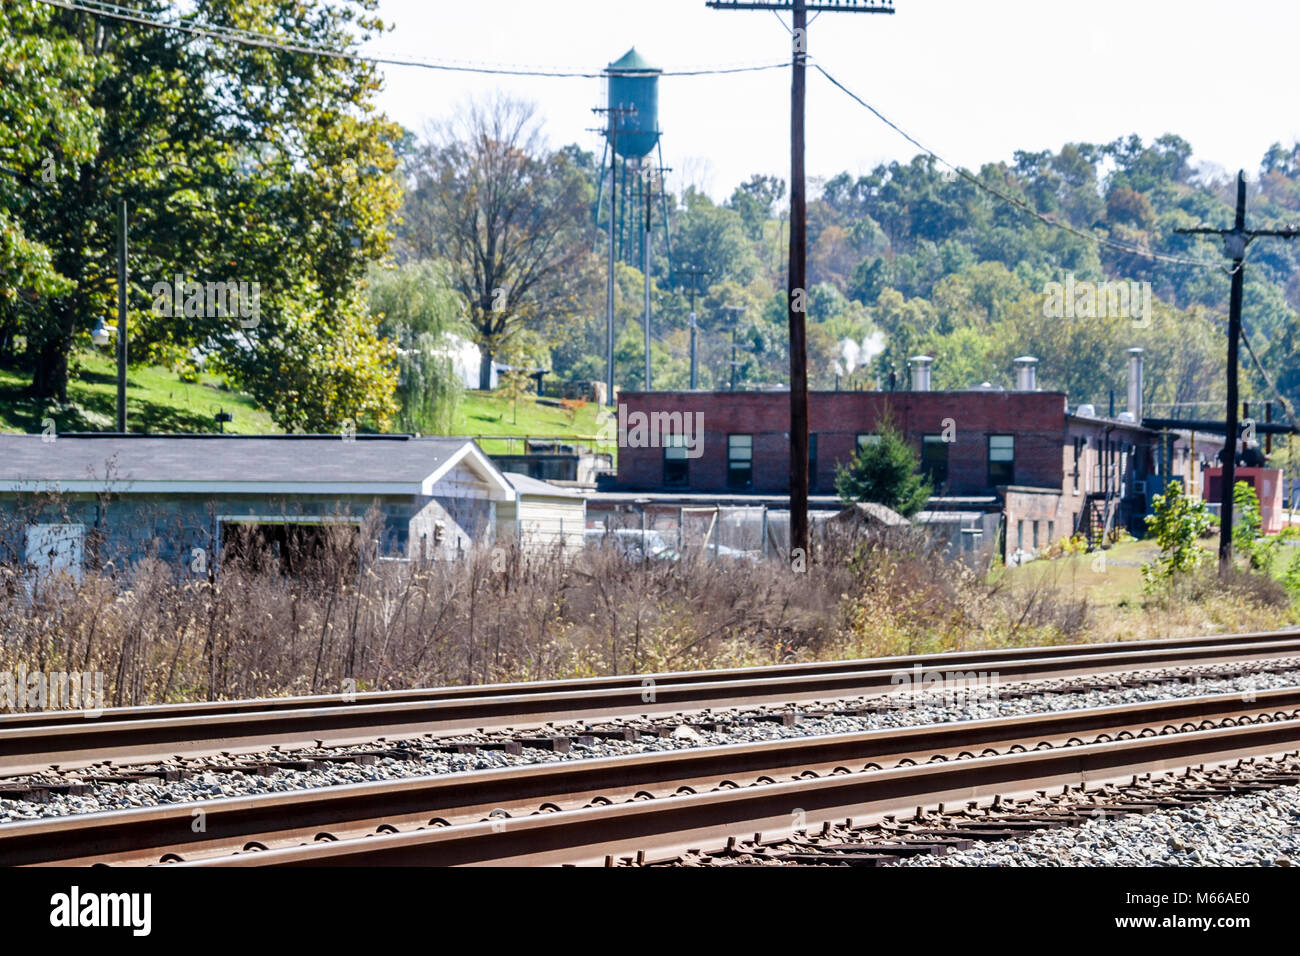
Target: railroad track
(32,743)
(662,806)
(937,833)
(952,660)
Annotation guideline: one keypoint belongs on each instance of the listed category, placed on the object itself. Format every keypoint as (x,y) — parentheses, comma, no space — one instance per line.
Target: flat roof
(779,499)
(528,485)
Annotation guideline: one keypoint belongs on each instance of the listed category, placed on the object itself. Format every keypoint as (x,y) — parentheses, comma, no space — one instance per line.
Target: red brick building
(746,444)
(1049,472)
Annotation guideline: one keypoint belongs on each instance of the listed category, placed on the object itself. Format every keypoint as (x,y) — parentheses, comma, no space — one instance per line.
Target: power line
(1014,200)
(1287,407)
(271,42)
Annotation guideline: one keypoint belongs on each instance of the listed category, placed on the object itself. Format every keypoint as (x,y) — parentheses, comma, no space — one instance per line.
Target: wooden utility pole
(1235,241)
(796,288)
(645,275)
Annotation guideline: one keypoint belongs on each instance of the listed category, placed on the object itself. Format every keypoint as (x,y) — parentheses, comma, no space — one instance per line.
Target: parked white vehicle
(634,543)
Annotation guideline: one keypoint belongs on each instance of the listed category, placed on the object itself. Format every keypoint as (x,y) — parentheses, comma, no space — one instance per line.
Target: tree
(713,237)
(1247,534)
(50,125)
(421,314)
(1177,523)
(754,200)
(509,217)
(238,163)
(886,471)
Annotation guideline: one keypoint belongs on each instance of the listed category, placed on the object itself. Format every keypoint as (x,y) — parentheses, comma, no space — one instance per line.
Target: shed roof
(241,464)
(528,485)
(871,512)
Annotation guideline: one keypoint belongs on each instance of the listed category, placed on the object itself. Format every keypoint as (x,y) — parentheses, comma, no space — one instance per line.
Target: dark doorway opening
(292,547)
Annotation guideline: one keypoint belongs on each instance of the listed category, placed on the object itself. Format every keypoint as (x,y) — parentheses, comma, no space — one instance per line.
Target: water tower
(630,181)
(631,131)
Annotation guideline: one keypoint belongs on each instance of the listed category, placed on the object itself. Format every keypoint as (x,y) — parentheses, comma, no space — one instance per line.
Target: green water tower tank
(633,85)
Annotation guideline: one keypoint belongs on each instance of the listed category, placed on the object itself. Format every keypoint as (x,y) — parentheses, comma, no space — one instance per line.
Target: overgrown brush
(345,619)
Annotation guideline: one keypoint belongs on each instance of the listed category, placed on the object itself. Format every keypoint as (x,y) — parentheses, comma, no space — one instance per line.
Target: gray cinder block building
(79,502)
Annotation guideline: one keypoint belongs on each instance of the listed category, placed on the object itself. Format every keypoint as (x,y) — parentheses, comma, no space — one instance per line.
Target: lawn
(1111,577)
(159,401)
(493,414)
(156,401)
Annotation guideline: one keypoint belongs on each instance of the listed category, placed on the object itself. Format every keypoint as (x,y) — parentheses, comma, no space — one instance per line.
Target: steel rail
(629,682)
(349,811)
(664,829)
(83,742)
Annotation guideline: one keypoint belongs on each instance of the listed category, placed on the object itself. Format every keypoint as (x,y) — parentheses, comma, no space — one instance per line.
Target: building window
(1051,533)
(870,438)
(812,461)
(677,467)
(1002,460)
(740,461)
(1035,535)
(934,459)
(1020,535)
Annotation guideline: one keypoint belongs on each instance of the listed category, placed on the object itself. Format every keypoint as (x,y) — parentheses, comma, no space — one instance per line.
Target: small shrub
(1176,522)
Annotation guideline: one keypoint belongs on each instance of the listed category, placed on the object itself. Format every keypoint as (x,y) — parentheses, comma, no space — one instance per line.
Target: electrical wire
(270,42)
(1016,201)
(1287,407)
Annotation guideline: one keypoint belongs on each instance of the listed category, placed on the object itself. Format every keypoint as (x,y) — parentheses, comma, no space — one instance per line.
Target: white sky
(974,81)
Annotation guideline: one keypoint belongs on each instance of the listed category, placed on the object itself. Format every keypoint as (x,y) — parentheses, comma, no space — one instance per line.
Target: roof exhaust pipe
(921,372)
(1026,373)
(1135,384)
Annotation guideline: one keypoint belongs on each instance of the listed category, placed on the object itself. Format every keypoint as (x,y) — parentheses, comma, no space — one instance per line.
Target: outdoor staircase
(1097,517)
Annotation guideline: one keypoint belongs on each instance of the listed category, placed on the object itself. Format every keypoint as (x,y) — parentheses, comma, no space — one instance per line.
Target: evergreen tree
(886,472)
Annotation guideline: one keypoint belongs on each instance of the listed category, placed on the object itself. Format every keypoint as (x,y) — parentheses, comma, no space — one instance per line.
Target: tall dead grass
(347,619)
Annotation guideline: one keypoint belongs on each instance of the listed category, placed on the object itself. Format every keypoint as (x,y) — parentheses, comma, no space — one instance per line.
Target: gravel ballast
(1258,829)
(427,761)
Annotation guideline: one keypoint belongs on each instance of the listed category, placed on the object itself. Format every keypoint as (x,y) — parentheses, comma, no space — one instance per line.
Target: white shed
(543,515)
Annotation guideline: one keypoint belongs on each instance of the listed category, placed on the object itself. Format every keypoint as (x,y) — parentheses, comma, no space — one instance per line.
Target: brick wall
(1036,419)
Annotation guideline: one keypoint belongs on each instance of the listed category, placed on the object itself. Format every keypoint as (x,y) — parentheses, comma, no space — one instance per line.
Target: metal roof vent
(921,372)
(1026,373)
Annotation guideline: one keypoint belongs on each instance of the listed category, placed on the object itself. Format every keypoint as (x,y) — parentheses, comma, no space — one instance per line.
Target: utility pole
(735,311)
(616,114)
(645,270)
(694,272)
(122,278)
(650,176)
(1235,241)
(733,359)
(798,239)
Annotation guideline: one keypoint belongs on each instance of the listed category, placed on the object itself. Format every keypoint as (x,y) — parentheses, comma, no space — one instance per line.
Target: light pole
(122,278)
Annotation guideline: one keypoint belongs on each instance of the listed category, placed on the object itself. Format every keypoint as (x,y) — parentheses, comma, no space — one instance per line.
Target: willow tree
(422,315)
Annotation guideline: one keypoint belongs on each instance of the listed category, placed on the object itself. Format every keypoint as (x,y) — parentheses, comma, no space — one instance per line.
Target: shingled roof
(241,464)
